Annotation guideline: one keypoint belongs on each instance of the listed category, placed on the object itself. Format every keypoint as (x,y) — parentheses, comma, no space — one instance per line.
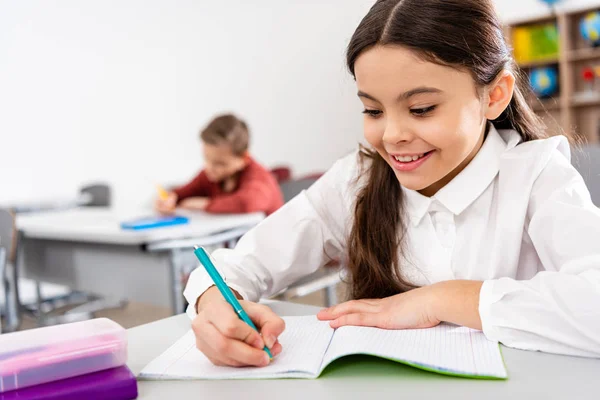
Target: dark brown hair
(463,34)
(227,129)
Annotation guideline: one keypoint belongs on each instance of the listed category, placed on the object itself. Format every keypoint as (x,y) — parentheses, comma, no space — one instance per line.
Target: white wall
(117,90)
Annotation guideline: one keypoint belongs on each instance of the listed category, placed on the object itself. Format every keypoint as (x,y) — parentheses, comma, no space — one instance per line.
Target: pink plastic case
(57,352)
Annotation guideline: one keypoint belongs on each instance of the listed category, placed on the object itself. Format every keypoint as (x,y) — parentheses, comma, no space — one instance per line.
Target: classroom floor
(135,314)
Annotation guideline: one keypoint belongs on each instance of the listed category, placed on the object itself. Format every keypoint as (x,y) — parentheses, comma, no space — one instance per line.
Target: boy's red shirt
(257,190)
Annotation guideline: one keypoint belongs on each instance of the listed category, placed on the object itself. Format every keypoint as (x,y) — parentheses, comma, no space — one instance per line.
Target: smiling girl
(461,210)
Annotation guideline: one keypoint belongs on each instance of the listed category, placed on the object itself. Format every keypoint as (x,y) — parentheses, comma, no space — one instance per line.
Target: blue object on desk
(154,222)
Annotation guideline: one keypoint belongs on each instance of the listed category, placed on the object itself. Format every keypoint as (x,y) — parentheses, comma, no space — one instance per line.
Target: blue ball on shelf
(589,27)
(544,81)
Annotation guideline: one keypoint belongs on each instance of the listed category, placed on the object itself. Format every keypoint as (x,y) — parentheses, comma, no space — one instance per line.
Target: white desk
(99,225)
(532,375)
(86,249)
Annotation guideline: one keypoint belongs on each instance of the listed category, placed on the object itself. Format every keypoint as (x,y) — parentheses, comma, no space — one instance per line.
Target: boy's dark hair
(227,129)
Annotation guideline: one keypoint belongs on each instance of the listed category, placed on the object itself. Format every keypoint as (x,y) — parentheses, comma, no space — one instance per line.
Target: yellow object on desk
(162,193)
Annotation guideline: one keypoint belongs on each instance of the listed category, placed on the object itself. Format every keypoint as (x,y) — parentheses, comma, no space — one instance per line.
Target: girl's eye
(372,113)
(419,112)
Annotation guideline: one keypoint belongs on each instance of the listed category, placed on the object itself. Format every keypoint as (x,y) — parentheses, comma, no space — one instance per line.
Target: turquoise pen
(224,289)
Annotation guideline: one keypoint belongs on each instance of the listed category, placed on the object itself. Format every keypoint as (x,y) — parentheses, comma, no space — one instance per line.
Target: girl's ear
(499,94)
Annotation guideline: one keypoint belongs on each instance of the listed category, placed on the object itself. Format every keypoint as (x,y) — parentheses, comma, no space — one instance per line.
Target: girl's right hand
(227,340)
(167,205)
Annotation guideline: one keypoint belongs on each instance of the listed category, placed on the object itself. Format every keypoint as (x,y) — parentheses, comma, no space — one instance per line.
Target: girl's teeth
(408,158)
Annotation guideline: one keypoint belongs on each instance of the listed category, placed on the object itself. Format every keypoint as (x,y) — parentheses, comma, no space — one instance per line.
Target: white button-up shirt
(518,217)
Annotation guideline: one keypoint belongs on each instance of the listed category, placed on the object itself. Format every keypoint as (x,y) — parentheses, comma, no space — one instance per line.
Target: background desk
(532,375)
(87,250)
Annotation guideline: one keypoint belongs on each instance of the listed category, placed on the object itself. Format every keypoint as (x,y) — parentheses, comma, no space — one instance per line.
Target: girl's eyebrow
(404,96)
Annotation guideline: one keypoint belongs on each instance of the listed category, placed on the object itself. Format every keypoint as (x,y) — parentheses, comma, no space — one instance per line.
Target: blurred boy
(231,182)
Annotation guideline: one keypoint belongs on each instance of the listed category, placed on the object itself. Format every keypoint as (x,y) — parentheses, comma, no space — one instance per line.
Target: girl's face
(426,120)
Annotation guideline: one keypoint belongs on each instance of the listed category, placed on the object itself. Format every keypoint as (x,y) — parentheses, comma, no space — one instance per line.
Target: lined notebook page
(304,341)
(445,348)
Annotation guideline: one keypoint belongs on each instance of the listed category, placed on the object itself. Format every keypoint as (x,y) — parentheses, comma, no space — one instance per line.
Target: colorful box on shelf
(537,42)
(49,354)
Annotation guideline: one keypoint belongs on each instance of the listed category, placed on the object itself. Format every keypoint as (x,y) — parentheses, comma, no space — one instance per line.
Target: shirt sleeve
(296,240)
(558,310)
(199,186)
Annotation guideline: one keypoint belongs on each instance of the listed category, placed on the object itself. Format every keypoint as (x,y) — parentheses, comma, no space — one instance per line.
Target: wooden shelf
(539,63)
(594,101)
(578,11)
(542,19)
(570,108)
(584,54)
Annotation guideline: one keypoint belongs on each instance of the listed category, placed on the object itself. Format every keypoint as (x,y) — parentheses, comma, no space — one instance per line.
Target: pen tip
(196,247)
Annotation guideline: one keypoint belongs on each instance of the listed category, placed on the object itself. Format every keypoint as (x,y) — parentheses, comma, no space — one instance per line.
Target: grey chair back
(587,161)
(96,195)
(292,188)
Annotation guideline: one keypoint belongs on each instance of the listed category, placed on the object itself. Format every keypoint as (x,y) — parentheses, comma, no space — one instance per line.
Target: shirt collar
(467,186)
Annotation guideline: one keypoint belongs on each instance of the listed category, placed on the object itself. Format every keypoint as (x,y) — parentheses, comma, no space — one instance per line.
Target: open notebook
(309,345)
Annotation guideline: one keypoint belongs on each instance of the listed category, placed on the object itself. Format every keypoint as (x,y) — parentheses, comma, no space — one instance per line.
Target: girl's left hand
(412,309)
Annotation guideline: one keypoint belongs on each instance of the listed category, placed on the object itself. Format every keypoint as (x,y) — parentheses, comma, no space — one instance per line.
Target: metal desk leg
(13,305)
(12,315)
(3,280)
(38,297)
(176,288)
(330,296)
